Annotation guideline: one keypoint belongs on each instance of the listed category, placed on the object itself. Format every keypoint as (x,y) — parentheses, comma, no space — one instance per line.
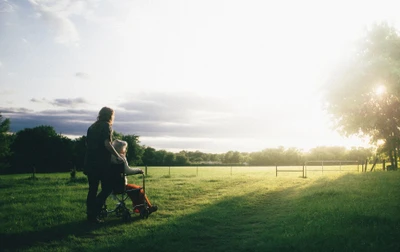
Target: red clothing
(137,200)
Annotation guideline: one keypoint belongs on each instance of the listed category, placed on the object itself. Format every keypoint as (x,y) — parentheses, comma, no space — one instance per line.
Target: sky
(209,75)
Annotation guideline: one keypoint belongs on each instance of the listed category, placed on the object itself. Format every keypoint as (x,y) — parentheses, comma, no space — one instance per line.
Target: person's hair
(106,115)
(120,145)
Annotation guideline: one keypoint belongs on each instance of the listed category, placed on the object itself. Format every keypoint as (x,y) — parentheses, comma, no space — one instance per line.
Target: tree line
(42,149)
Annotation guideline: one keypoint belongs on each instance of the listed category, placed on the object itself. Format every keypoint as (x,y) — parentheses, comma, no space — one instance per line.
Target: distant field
(210,209)
(226,170)
(310,170)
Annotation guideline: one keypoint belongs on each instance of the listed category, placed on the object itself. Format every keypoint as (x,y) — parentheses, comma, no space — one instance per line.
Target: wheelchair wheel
(103,213)
(119,211)
(126,216)
(144,213)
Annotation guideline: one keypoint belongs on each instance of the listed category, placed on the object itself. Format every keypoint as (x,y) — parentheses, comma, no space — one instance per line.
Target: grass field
(210,209)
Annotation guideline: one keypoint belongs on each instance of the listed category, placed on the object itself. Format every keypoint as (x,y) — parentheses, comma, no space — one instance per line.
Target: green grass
(210,209)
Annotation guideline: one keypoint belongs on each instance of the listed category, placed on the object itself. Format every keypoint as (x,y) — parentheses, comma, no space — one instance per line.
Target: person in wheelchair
(121,147)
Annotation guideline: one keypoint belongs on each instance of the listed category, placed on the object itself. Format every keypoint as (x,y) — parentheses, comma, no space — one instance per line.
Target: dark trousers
(94,201)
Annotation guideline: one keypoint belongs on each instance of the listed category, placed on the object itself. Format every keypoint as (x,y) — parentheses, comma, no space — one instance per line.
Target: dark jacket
(97,158)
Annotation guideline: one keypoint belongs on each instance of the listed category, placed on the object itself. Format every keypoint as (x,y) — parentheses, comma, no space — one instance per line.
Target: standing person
(97,162)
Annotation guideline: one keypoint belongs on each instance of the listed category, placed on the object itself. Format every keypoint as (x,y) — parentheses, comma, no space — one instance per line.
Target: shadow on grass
(81,228)
(321,217)
(80,180)
(285,220)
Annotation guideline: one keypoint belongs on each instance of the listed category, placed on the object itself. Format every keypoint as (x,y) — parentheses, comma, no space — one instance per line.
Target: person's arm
(131,171)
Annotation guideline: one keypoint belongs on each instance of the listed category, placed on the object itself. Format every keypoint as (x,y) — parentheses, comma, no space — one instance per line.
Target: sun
(380,90)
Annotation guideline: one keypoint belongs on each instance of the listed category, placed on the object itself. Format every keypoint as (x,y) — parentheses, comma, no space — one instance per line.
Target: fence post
(33,172)
(322,169)
(366,163)
(276,170)
(145,170)
(384,165)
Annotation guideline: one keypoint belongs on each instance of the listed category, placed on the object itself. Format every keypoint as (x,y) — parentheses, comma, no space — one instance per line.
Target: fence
(201,170)
(321,166)
(207,171)
(290,169)
(333,165)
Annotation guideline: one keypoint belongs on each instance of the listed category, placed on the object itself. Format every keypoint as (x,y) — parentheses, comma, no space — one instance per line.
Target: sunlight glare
(380,142)
(381,89)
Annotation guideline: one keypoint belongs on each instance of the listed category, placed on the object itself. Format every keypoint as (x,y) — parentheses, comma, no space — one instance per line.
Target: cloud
(82,75)
(188,116)
(7,92)
(152,115)
(62,102)
(68,122)
(57,15)
(36,100)
(58,20)
(176,120)
(15,110)
(176,107)
(68,102)
(6,7)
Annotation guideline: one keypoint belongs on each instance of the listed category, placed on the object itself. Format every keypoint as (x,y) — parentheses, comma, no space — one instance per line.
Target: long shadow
(80,228)
(285,220)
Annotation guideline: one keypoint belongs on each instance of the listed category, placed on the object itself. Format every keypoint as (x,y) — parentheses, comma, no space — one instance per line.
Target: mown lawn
(210,209)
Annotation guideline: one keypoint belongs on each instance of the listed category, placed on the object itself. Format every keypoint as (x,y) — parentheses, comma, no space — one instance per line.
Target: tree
(5,141)
(149,156)
(364,94)
(135,151)
(232,157)
(4,144)
(78,153)
(360,154)
(181,159)
(169,159)
(43,148)
(160,157)
(327,153)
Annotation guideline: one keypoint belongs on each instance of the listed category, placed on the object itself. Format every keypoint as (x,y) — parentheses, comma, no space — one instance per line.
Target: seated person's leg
(138,197)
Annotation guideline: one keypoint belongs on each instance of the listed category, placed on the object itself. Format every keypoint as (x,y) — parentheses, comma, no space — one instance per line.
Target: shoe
(153,209)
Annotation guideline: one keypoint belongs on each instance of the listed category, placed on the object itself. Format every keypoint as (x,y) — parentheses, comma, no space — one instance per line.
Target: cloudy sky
(207,75)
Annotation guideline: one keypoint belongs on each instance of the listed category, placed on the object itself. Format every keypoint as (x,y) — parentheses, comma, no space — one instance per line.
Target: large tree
(41,147)
(363,94)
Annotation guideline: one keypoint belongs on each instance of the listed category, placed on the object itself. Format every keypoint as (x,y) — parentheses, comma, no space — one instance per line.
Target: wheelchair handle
(144,185)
